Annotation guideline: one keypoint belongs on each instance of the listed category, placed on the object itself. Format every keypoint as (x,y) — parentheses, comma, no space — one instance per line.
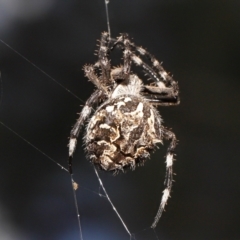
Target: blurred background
(198,41)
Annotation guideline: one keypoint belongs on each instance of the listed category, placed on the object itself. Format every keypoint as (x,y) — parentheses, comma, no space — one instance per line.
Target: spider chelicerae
(126,126)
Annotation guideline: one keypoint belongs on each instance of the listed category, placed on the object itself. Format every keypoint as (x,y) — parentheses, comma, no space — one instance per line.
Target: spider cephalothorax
(126,126)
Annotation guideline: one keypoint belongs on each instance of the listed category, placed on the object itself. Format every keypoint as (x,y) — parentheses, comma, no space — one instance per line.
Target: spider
(126,126)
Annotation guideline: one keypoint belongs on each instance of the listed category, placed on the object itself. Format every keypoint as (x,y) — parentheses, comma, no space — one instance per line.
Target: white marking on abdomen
(104,125)
(109,108)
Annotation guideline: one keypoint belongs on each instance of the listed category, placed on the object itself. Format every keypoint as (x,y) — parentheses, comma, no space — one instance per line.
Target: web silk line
(38,68)
(109,200)
(107,15)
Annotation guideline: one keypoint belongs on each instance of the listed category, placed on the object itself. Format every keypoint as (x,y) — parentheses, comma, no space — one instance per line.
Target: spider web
(61,162)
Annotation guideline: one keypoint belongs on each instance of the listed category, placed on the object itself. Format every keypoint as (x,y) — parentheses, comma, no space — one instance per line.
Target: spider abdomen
(122,132)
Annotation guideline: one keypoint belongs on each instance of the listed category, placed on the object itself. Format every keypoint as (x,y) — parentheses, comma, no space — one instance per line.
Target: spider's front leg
(127,61)
(124,71)
(90,74)
(167,79)
(169,173)
(103,60)
(165,96)
(85,113)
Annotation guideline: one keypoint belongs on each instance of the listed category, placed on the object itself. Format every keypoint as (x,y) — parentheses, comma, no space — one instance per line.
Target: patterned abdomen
(121,133)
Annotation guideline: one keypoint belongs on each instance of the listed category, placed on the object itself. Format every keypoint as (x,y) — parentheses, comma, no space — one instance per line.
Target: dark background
(198,41)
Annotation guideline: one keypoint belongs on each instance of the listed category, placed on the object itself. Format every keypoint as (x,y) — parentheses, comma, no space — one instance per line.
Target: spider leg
(138,61)
(126,55)
(164,75)
(89,73)
(169,174)
(123,72)
(160,96)
(163,95)
(103,61)
(124,40)
(166,79)
(85,113)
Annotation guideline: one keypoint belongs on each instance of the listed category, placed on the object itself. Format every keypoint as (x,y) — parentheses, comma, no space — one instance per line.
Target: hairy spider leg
(85,113)
(90,74)
(103,61)
(127,60)
(125,42)
(161,71)
(161,95)
(169,173)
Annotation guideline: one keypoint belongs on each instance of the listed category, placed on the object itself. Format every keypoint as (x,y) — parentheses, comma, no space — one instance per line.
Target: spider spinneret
(126,126)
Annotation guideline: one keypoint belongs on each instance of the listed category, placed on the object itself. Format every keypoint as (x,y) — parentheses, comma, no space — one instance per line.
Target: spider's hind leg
(169,173)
